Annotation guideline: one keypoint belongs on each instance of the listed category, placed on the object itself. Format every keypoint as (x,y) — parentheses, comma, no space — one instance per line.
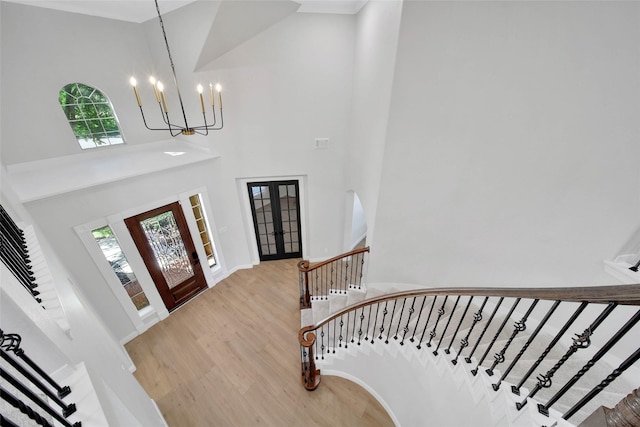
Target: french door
(275,206)
(163,240)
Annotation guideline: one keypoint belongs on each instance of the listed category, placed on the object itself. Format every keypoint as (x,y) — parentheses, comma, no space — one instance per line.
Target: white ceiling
(143,10)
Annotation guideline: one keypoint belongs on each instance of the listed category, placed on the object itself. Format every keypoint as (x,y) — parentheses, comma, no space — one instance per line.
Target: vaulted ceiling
(143,10)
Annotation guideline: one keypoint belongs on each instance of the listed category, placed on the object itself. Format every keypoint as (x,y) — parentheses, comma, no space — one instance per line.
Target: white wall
(87,341)
(376,41)
(285,87)
(358,222)
(512,150)
(42,51)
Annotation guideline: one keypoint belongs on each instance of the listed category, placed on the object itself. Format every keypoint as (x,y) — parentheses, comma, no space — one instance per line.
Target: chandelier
(158,87)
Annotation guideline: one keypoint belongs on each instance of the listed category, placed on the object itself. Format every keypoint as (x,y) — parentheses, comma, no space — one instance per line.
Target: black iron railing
(15,254)
(492,322)
(333,276)
(34,393)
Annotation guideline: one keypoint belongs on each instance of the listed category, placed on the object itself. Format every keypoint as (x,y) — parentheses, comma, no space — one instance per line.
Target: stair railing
(15,254)
(407,316)
(27,379)
(333,276)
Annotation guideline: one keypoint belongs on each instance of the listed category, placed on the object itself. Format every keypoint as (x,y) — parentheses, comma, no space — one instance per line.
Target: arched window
(90,115)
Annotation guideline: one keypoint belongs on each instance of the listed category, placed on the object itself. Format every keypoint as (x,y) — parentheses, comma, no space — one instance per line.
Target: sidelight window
(120,266)
(203,228)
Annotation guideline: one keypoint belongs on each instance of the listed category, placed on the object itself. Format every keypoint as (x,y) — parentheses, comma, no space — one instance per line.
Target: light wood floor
(230,357)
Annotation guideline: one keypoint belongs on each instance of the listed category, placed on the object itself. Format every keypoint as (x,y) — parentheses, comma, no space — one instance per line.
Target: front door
(275,207)
(163,240)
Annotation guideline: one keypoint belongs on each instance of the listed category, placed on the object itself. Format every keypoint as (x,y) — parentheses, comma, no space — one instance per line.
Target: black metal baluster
(17,255)
(384,315)
(9,222)
(34,398)
(14,234)
(581,341)
(464,314)
(495,337)
(601,352)
(362,255)
(353,333)
(18,266)
(318,294)
(635,267)
(331,274)
(391,321)
(4,421)
(441,312)
(534,334)
(516,388)
(629,361)
(355,261)
(446,327)
(424,299)
(366,336)
(375,321)
(419,346)
(341,336)
(404,301)
(335,323)
(518,327)
(22,407)
(406,327)
(346,337)
(361,320)
(464,342)
(346,275)
(322,347)
(26,283)
(339,269)
(66,409)
(11,342)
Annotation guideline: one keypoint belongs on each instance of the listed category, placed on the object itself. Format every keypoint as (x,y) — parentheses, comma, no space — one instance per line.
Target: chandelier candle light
(158,88)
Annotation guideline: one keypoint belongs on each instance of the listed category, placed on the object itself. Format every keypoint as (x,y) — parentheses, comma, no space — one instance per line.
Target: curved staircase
(402,345)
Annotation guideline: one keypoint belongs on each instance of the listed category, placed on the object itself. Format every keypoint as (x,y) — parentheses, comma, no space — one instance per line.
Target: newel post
(310,375)
(305,296)
(625,414)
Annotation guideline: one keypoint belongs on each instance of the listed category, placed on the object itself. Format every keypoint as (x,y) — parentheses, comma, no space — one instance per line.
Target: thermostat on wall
(322,143)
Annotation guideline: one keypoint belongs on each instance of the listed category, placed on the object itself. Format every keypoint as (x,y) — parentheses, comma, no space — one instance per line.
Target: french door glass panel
(276,215)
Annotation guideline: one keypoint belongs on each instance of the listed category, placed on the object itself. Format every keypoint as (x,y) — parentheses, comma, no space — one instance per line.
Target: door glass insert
(166,242)
(118,262)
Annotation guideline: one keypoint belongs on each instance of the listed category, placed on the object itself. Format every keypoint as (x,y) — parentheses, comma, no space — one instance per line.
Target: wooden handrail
(305,265)
(326,278)
(618,294)
(334,332)
(390,316)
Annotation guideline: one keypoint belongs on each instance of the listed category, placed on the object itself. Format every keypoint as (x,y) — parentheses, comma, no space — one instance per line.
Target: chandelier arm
(173,69)
(144,120)
(166,122)
(211,127)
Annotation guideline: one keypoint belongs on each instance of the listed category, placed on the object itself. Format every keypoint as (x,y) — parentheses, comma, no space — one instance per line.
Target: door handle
(194,255)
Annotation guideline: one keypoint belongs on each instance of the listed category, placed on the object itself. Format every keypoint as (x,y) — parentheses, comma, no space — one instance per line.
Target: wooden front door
(275,206)
(164,242)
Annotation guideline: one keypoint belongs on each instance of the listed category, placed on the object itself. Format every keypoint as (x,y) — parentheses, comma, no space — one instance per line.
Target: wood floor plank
(230,357)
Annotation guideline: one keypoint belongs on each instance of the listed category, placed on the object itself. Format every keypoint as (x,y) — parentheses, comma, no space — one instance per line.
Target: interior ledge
(51,177)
